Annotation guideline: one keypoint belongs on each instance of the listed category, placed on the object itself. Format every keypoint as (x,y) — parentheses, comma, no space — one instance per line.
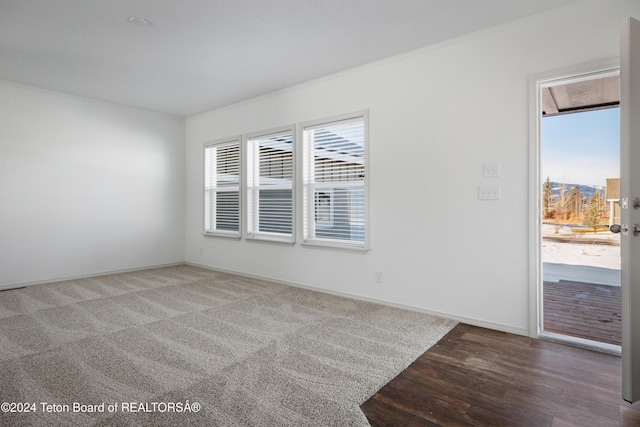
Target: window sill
(313,244)
(259,238)
(223,235)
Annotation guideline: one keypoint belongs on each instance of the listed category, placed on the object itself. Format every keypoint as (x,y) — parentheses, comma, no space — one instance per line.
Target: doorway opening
(578,184)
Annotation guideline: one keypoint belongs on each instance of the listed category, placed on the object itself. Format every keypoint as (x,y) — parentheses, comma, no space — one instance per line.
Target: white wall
(435,116)
(86,187)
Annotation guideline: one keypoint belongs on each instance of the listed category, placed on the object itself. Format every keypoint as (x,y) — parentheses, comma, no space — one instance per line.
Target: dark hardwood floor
(476,376)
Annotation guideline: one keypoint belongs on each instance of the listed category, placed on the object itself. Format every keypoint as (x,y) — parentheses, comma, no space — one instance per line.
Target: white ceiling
(196,55)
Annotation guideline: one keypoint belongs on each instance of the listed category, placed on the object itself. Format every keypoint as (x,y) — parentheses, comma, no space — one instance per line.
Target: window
(270,186)
(222,188)
(324,210)
(335,181)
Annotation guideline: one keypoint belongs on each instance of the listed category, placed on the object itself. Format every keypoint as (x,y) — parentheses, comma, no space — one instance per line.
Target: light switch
(489,192)
(491,170)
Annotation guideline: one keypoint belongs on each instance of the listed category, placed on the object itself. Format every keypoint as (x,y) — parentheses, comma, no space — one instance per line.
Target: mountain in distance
(587,190)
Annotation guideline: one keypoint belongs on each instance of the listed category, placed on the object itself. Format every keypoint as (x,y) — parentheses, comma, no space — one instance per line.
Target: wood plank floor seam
(480,377)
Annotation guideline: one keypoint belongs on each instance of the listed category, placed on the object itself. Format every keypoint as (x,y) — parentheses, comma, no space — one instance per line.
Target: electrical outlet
(378,276)
(491,170)
(489,192)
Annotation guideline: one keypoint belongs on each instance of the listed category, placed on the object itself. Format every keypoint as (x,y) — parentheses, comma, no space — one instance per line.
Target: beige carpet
(189,346)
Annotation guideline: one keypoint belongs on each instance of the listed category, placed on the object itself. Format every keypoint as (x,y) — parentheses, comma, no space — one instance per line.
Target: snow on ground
(603,256)
(588,262)
(595,255)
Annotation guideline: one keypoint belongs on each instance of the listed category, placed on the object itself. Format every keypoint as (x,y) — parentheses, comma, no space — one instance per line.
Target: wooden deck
(583,310)
(479,377)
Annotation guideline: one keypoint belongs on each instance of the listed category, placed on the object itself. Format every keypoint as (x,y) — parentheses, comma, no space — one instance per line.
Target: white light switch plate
(491,170)
(489,192)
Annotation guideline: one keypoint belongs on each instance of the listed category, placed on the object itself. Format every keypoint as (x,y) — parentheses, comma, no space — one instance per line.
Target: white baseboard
(458,318)
(461,319)
(84,276)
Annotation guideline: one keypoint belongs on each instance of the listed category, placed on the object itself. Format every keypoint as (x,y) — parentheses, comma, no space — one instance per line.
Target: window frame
(209,207)
(308,223)
(251,188)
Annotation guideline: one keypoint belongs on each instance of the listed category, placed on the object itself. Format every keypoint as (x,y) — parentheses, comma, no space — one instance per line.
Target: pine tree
(594,212)
(547,198)
(576,199)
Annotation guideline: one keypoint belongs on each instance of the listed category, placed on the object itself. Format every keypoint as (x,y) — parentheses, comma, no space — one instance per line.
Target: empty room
(315,212)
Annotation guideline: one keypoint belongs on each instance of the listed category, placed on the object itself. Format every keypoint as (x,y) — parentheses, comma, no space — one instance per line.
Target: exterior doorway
(579,294)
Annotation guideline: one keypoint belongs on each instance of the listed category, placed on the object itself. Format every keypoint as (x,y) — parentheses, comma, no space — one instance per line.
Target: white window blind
(222,188)
(334,182)
(270,186)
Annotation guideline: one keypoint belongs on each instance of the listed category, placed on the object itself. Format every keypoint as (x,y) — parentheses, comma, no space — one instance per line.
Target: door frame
(536,83)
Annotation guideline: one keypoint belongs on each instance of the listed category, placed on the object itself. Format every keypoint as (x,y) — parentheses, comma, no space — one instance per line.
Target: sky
(581,148)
